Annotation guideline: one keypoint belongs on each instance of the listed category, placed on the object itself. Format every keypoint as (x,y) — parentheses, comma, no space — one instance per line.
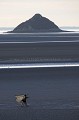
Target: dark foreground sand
(38,114)
(53,93)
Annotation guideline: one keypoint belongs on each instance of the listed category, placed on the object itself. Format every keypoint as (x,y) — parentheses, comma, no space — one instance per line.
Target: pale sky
(61,12)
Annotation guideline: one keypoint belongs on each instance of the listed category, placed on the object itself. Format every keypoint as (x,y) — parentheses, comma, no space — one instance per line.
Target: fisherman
(24,100)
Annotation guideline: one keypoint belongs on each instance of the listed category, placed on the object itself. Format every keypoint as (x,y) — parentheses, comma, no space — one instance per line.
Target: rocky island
(37,23)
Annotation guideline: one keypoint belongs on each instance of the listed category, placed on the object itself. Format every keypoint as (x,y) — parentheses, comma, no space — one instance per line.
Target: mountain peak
(37,15)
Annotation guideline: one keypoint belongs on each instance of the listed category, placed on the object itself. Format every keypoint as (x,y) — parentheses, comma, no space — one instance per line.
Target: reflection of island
(37,24)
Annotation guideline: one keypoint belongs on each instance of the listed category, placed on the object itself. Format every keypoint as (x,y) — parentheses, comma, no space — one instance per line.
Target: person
(24,100)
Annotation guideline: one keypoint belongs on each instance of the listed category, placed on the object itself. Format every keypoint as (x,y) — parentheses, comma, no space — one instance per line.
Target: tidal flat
(53,91)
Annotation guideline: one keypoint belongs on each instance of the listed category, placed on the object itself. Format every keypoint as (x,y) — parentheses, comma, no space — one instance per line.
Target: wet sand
(39,49)
(53,93)
(36,114)
(47,52)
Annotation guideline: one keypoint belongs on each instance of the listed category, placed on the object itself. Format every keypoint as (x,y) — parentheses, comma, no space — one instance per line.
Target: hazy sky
(61,12)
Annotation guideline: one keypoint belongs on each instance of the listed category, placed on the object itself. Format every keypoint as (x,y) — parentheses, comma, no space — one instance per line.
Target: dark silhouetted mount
(37,24)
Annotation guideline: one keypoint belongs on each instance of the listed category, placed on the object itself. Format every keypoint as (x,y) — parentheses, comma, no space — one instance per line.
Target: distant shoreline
(67,28)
